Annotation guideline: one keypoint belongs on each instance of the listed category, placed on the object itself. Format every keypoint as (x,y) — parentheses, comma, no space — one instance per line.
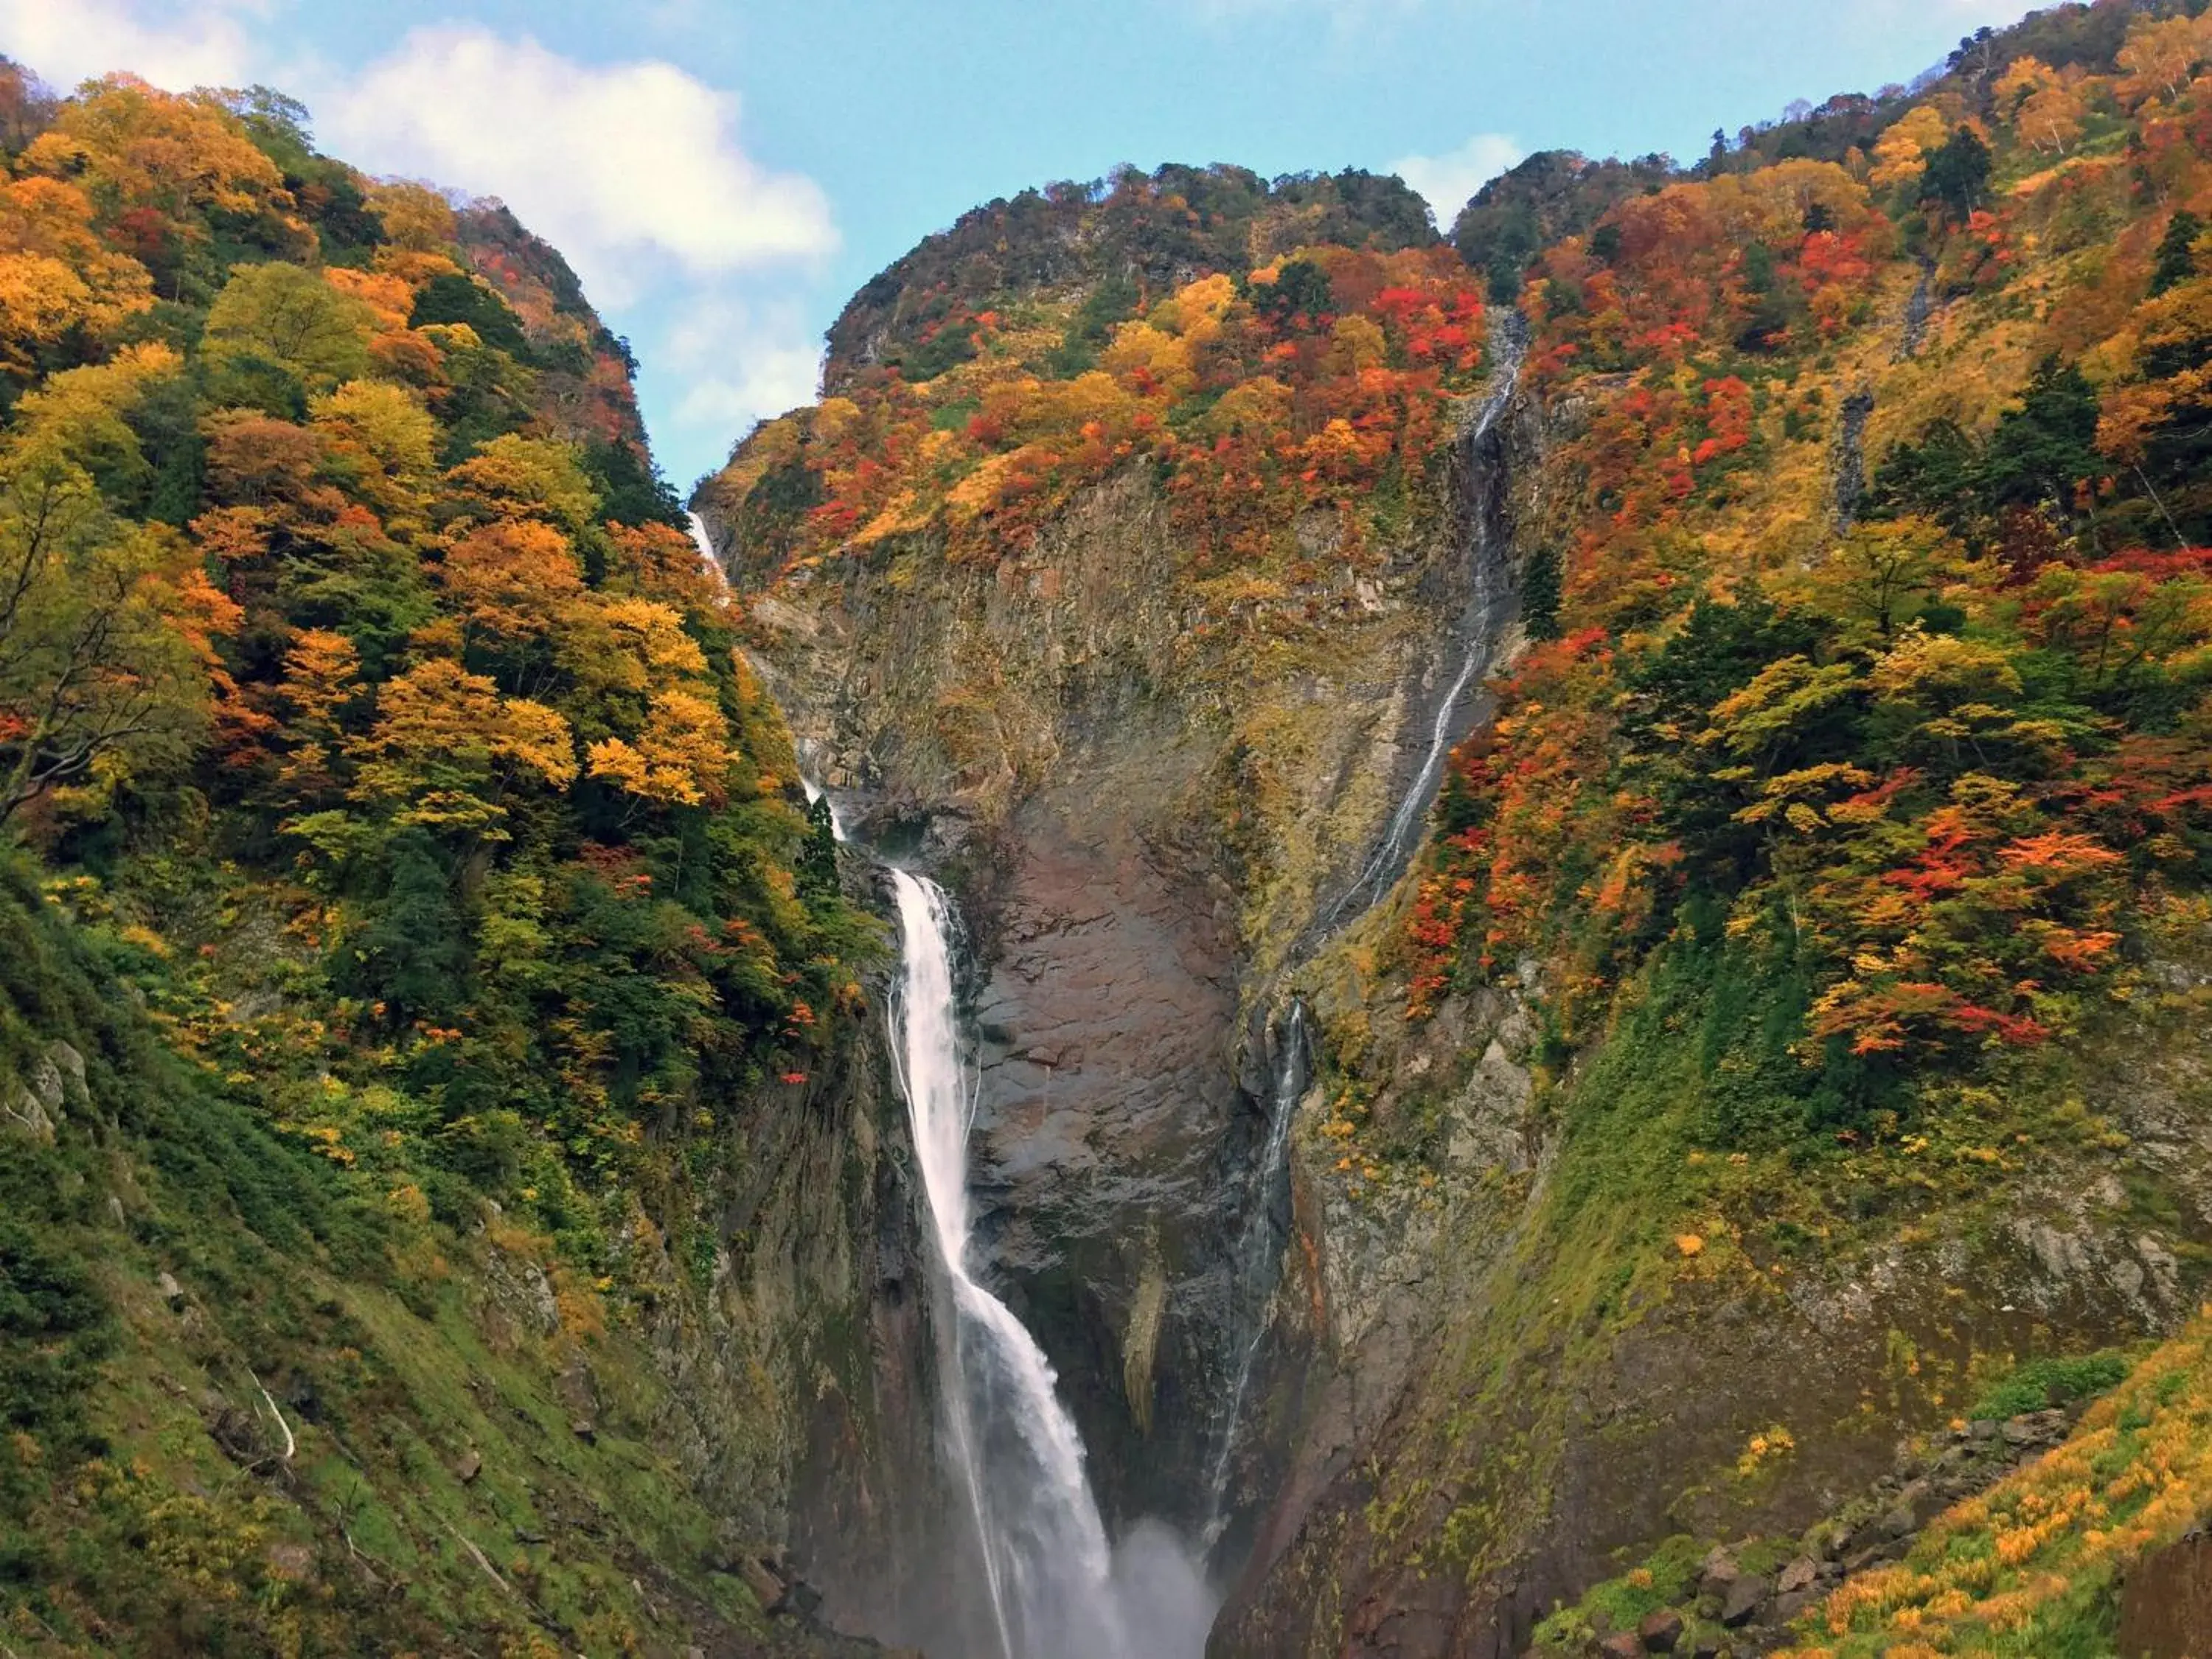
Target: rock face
(1488,1413)
(818,1296)
(1145,829)
(1105,1088)
(2166,1611)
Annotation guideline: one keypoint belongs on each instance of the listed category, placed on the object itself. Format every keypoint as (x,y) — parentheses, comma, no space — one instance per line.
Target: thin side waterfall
(1258,1261)
(1389,857)
(1048,1568)
(706,545)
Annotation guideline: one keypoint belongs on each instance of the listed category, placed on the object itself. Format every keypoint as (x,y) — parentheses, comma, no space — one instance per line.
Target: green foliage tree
(2175,261)
(818,864)
(1539,593)
(451,297)
(1957,176)
(1300,292)
(2046,446)
(283,314)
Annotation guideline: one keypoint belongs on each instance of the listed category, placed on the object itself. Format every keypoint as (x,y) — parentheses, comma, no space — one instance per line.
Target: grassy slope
(147,1503)
(2033,1567)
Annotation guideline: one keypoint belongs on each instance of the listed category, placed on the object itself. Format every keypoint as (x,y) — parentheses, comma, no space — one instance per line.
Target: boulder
(469,1467)
(1799,1575)
(1719,1574)
(766,1588)
(1659,1631)
(1873,1555)
(1741,1600)
(22,1113)
(1788,1607)
(68,1066)
(1621,1645)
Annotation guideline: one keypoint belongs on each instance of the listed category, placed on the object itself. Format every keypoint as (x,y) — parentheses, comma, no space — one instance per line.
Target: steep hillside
(1789,1024)
(439,1136)
(1795,1020)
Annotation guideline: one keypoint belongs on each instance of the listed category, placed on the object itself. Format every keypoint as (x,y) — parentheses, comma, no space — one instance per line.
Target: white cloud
(739,363)
(621,167)
(68,42)
(1448,180)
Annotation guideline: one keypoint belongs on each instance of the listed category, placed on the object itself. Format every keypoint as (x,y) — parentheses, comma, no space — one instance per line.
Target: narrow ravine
(1510,343)
(1257,1263)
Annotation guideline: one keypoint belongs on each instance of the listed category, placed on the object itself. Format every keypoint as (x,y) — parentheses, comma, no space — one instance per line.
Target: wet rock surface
(1105,1092)
(2166,1606)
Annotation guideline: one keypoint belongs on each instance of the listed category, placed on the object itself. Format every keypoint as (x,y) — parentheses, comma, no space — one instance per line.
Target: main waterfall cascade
(1045,1555)
(1055,1588)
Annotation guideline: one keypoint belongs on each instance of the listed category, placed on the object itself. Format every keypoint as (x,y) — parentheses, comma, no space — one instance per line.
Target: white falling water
(706,546)
(1397,844)
(1259,1255)
(1048,1568)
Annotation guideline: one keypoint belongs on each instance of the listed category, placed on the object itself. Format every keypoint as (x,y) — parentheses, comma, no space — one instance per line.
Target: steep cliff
(451,1189)
(1155,737)
(1786,1028)
(1687,1137)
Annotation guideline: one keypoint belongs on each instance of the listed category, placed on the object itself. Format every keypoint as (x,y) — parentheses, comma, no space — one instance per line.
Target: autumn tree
(680,756)
(57,275)
(281,316)
(445,749)
(106,631)
(2160,56)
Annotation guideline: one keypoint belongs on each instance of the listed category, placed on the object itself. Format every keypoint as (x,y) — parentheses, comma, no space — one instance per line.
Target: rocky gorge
(1303,935)
(1526,1319)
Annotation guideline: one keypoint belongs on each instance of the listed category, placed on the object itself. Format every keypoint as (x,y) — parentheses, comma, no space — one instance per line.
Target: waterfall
(1258,1259)
(1510,338)
(706,546)
(1049,1570)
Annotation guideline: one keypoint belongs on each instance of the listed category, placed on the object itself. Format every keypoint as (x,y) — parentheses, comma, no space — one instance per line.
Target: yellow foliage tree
(516,579)
(391,438)
(446,745)
(514,476)
(1903,150)
(681,757)
(56,274)
(415,217)
(134,145)
(2159,56)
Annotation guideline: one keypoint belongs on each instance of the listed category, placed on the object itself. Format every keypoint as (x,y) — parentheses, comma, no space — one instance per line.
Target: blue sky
(724,173)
